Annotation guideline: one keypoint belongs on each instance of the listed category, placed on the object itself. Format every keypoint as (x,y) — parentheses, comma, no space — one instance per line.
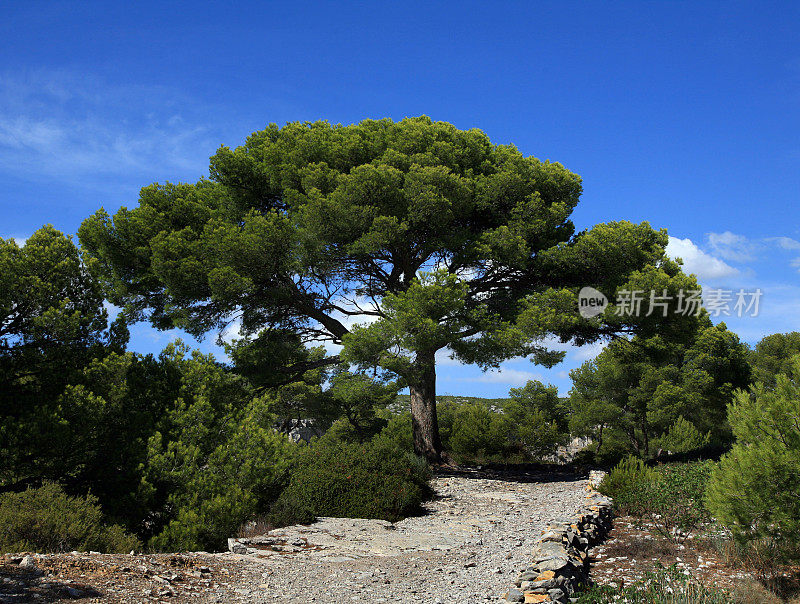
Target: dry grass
(254,528)
(715,561)
(780,581)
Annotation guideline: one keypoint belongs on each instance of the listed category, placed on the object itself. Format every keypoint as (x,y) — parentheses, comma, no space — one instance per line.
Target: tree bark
(425,424)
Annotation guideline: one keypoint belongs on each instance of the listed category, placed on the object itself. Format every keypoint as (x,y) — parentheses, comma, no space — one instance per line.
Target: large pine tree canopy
(394,239)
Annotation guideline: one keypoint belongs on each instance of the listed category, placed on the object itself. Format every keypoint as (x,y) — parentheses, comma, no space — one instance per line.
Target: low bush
(659,586)
(480,432)
(376,479)
(629,483)
(47,520)
(671,496)
(675,502)
(215,472)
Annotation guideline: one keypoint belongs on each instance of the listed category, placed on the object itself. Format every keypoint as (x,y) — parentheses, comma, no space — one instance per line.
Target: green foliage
(46,520)
(342,479)
(477,431)
(675,501)
(670,497)
(683,437)
(537,418)
(218,461)
(754,489)
(398,431)
(423,235)
(773,356)
(52,325)
(627,483)
(659,586)
(358,399)
(657,390)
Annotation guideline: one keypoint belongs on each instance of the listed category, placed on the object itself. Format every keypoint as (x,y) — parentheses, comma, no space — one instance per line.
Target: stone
(528,575)
(553,564)
(515,595)
(549,549)
(29,564)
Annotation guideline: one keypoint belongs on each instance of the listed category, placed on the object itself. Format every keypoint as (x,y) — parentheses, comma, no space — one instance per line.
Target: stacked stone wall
(560,561)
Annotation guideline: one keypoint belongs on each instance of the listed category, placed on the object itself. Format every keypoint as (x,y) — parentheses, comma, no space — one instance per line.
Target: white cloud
(506,375)
(695,260)
(233,331)
(112,310)
(796,264)
(443,358)
(588,352)
(731,246)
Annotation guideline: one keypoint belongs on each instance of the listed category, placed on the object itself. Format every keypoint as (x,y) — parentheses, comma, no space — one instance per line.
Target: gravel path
(476,538)
(470,546)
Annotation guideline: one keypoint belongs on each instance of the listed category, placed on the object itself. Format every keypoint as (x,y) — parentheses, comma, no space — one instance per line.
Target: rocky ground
(475,538)
(634,547)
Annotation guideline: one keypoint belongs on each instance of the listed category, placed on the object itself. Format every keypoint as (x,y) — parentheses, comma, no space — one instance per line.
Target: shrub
(670,497)
(371,480)
(628,483)
(215,480)
(754,490)
(480,432)
(537,418)
(48,520)
(398,432)
(659,586)
(675,500)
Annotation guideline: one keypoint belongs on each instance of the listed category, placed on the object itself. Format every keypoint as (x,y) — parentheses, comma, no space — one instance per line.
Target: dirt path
(469,547)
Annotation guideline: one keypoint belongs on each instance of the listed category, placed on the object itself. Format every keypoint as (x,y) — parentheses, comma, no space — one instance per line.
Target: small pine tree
(754,490)
(683,436)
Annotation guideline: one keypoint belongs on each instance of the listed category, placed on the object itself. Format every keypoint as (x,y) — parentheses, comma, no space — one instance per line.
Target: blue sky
(683,114)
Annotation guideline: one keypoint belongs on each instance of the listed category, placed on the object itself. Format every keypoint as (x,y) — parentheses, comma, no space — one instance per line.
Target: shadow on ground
(18,584)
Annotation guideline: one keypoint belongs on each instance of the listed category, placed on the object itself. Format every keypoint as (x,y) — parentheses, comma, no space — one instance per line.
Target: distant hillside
(405,400)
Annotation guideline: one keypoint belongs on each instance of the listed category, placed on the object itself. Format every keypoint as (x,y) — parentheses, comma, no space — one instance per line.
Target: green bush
(675,500)
(48,520)
(629,483)
(376,479)
(537,419)
(671,497)
(754,490)
(212,492)
(660,586)
(518,429)
(398,432)
(479,432)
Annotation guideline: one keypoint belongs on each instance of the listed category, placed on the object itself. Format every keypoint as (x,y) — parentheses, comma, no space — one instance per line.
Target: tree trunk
(599,440)
(424,423)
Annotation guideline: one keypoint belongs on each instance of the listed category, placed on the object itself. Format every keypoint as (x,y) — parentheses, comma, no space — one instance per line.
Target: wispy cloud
(587,352)
(731,246)
(743,249)
(787,243)
(71,126)
(506,375)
